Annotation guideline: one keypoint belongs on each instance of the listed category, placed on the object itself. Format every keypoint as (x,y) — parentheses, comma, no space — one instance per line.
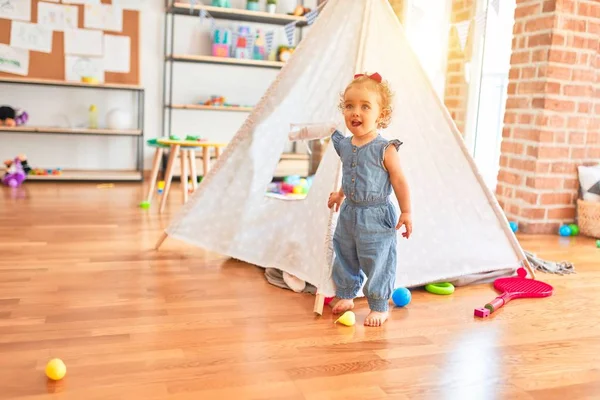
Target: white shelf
(210,108)
(71,131)
(89,175)
(225,60)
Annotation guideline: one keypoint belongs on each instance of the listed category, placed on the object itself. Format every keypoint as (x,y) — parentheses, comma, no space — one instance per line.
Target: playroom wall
(50,106)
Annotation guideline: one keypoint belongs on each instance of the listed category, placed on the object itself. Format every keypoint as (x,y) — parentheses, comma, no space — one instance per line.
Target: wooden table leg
(217,152)
(205,160)
(184,175)
(174,150)
(193,173)
(154,174)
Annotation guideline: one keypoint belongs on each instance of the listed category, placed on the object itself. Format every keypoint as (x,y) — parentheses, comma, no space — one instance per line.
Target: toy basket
(588,218)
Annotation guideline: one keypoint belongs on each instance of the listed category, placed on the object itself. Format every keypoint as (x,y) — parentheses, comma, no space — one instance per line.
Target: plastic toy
(514,287)
(252,5)
(56,369)
(401,297)
(598,243)
(16,172)
(284,53)
(442,288)
(12,117)
(241,50)
(514,226)
(221,46)
(574,229)
(564,230)
(221,3)
(300,11)
(348,318)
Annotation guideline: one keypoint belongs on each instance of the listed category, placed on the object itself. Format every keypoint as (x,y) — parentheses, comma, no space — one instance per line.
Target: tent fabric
(459,229)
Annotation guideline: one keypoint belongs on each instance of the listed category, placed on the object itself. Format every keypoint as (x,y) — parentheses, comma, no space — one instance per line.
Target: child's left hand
(406,220)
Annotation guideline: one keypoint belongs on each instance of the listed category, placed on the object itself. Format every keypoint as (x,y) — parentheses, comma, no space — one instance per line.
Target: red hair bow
(375,76)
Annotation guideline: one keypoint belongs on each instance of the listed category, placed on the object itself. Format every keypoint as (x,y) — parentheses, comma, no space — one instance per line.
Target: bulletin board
(58,65)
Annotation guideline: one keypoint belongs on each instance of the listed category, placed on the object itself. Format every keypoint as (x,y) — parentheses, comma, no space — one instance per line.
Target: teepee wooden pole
(160,241)
(358,67)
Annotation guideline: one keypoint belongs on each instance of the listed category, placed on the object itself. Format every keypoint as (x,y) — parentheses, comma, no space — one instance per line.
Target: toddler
(365,237)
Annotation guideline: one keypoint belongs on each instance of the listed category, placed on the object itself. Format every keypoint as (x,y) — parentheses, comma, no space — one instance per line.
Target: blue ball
(565,230)
(513,226)
(401,297)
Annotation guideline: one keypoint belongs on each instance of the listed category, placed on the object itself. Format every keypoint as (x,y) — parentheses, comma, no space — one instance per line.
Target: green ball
(598,244)
(574,229)
(145,204)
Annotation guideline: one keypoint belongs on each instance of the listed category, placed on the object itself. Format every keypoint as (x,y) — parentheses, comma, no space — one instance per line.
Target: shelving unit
(187,10)
(86,175)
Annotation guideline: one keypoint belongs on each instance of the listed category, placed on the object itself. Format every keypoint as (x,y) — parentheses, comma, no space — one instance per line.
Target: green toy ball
(598,243)
(145,205)
(574,229)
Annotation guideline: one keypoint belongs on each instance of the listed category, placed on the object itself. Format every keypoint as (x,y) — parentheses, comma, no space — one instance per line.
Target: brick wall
(457,89)
(552,120)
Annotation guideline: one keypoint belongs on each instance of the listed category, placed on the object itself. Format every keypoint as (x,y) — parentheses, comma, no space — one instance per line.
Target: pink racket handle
(495,304)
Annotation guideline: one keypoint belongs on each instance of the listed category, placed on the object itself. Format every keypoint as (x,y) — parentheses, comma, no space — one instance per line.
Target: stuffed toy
(12,117)
(16,171)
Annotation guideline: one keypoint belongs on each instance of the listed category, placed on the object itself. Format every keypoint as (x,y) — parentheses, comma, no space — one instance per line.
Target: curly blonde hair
(386,97)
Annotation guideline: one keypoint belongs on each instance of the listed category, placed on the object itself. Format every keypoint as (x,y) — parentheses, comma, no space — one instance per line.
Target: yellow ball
(56,369)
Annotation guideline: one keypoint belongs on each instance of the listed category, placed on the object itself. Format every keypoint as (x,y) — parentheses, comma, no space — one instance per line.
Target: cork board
(51,66)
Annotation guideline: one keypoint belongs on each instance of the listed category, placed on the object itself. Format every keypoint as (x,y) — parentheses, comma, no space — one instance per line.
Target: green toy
(574,229)
(443,288)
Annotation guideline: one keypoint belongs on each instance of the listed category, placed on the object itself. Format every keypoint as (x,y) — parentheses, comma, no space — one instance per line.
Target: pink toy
(514,287)
(15,174)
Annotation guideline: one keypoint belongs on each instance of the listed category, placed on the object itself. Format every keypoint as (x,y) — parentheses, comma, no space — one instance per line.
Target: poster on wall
(77,68)
(83,42)
(103,16)
(15,9)
(116,53)
(57,17)
(36,37)
(14,61)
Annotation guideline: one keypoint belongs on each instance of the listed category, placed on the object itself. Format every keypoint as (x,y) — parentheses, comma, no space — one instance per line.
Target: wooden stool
(158,153)
(187,151)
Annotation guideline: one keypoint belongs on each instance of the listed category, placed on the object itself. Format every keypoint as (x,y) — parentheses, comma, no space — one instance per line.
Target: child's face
(361,110)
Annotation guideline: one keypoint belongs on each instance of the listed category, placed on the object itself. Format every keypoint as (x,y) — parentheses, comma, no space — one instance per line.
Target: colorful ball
(574,229)
(564,230)
(598,243)
(514,226)
(56,369)
(401,297)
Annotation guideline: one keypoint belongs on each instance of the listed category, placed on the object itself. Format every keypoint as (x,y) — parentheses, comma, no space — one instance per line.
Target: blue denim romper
(365,236)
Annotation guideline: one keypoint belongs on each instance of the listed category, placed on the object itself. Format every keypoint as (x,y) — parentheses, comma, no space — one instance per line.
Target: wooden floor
(79,281)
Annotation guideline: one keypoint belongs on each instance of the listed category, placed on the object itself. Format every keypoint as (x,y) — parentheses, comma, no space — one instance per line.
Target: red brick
(514,73)
(559,105)
(593,28)
(528,73)
(588,10)
(593,153)
(532,151)
(526,119)
(583,75)
(510,117)
(538,102)
(539,228)
(518,28)
(542,167)
(597,108)
(572,183)
(567,213)
(558,39)
(527,196)
(521,164)
(514,209)
(578,123)
(584,108)
(517,102)
(555,71)
(530,87)
(565,6)
(520,57)
(577,138)
(553,152)
(562,56)
(512,88)
(563,168)
(540,23)
(507,132)
(508,147)
(533,213)
(552,121)
(578,90)
(552,87)
(577,153)
(504,161)
(540,182)
(571,24)
(592,138)
(525,133)
(540,55)
(549,5)
(527,10)
(582,58)
(555,198)
(510,177)
(541,39)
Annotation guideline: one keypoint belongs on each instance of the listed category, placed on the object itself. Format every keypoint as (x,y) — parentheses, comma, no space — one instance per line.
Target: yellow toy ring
(443,288)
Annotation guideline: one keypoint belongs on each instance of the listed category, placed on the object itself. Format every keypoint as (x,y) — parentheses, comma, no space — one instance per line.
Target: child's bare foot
(376,318)
(341,305)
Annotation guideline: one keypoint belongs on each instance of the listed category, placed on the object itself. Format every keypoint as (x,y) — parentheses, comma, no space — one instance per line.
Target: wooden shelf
(238,14)
(49,82)
(210,108)
(225,61)
(89,175)
(71,131)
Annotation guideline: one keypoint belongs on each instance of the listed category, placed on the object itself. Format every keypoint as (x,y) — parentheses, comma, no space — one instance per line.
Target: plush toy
(12,117)
(16,171)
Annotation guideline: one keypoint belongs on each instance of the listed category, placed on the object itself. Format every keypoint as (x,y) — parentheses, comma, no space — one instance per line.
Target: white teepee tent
(459,228)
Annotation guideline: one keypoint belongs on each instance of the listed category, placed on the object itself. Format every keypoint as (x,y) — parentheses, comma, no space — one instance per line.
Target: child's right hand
(335,198)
